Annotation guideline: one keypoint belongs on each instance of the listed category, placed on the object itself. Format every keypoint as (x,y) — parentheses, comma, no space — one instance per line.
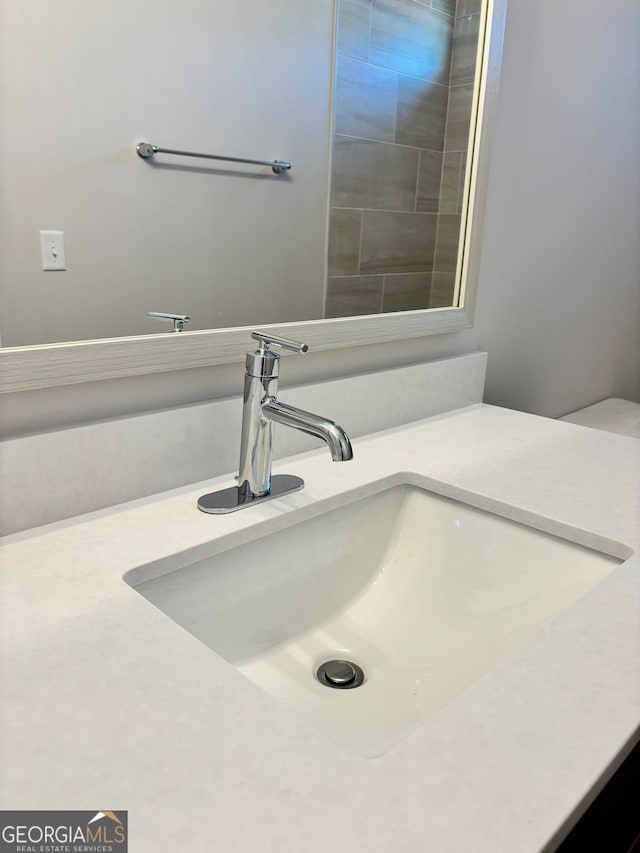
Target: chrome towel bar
(145,149)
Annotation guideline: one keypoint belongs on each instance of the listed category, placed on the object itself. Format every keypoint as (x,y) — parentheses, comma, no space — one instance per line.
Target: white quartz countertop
(105,702)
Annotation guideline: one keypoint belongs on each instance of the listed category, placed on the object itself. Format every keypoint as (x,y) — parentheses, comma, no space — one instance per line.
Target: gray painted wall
(81,83)
(559,295)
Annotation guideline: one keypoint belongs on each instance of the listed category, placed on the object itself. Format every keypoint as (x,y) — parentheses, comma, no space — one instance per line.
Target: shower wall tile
(397,242)
(459,118)
(354,28)
(429,174)
(411,38)
(465,45)
(406,292)
(402,112)
(365,100)
(442,290)
(446,6)
(422,113)
(374,175)
(452,186)
(447,238)
(468,7)
(465,49)
(354,295)
(344,241)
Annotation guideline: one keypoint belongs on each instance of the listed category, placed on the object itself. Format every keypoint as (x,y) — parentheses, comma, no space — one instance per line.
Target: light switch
(52,247)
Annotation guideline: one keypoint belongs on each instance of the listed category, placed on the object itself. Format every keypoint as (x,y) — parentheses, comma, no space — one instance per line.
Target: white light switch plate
(52,247)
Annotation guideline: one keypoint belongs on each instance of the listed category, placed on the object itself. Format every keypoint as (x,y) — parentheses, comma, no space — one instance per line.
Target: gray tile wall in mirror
(403,96)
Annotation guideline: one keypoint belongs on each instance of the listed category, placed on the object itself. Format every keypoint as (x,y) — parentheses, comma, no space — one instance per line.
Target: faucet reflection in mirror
(261,409)
(403,102)
(179,320)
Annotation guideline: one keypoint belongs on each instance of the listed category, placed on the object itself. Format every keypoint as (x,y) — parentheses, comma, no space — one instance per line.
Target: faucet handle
(179,320)
(267,340)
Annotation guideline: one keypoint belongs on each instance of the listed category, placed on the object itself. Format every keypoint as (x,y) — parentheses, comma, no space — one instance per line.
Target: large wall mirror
(383,107)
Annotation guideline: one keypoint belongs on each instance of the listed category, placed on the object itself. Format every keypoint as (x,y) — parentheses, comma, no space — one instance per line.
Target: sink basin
(425,594)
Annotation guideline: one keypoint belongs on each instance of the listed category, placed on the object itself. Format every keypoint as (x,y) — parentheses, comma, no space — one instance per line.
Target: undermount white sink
(424,593)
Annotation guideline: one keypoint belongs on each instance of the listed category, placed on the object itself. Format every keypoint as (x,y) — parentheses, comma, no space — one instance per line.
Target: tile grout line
(372,64)
(383,274)
(386,142)
(387,210)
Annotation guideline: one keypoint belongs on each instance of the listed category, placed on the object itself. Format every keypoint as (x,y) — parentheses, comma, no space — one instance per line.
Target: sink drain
(340,674)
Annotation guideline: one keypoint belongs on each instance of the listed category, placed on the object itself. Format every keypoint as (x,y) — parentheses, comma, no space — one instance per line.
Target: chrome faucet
(260,411)
(179,320)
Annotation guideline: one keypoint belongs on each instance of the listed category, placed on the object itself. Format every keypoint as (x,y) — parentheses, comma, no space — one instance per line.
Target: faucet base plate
(232,499)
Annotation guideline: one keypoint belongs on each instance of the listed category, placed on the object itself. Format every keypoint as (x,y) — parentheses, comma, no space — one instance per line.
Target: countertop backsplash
(63,473)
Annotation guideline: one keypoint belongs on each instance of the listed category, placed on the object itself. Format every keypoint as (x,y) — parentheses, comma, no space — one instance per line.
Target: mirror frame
(48,365)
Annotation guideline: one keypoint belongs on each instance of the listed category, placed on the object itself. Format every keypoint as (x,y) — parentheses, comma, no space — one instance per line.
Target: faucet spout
(331,433)
(260,410)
